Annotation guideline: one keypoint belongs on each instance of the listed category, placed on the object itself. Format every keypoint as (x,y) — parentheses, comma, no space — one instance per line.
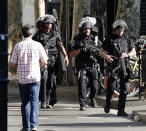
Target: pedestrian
(117,49)
(51,41)
(28,56)
(85,51)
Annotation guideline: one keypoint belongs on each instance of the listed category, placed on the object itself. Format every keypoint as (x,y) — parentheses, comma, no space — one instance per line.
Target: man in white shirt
(28,56)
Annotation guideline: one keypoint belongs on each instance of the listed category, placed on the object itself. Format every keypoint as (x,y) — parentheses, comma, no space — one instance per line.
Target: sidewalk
(69,94)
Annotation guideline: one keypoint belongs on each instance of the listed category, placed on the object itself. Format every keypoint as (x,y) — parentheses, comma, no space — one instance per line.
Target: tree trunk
(129,10)
(63,21)
(14,25)
(98,8)
(39,8)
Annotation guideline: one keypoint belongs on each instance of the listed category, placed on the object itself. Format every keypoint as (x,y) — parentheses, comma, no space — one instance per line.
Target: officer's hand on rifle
(104,54)
(109,58)
(124,55)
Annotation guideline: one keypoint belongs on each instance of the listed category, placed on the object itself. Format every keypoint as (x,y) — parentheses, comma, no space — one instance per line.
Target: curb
(139,115)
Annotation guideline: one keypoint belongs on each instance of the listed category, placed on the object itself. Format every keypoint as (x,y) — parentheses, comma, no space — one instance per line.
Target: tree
(14,25)
(129,10)
(39,8)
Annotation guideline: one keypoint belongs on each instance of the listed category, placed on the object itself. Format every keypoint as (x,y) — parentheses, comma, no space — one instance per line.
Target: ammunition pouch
(80,73)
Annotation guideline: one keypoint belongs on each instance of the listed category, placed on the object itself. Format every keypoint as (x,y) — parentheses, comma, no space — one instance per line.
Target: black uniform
(86,67)
(115,70)
(52,42)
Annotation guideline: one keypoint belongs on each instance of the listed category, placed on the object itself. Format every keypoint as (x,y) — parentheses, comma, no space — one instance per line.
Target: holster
(82,74)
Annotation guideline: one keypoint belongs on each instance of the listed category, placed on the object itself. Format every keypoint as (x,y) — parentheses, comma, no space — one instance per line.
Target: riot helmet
(86,25)
(92,20)
(119,24)
(49,18)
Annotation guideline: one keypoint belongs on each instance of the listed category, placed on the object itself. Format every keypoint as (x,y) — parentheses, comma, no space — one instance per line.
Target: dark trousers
(112,84)
(43,86)
(48,84)
(88,75)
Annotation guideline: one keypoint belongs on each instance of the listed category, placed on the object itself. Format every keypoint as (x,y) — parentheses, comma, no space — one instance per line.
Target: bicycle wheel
(133,87)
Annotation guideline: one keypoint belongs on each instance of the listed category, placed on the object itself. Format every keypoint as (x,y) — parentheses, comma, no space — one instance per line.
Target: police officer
(85,64)
(115,43)
(51,40)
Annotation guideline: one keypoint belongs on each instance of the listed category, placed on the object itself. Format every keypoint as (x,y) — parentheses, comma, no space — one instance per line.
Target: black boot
(48,105)
(107,108)
(122,113)
(82,108)
(93,103)
(43,104)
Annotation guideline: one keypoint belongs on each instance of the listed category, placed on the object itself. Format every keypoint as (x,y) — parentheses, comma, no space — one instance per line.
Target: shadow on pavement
(109,124)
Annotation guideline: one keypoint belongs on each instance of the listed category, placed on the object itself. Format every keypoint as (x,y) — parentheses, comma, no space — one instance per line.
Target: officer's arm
(74,53)
(104,55)
(63,50)
(65,55)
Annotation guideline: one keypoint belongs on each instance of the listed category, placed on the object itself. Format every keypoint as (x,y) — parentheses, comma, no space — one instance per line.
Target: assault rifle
(91,48)
(121,60)
(50,42)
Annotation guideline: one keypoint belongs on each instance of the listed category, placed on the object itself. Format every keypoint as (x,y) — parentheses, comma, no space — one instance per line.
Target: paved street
(65,116)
